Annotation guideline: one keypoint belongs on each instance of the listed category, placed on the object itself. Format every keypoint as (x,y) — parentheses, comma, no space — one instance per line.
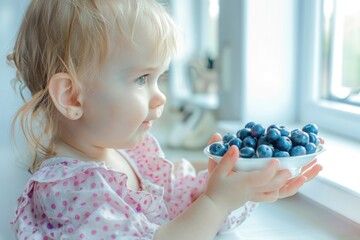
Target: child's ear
(65,95)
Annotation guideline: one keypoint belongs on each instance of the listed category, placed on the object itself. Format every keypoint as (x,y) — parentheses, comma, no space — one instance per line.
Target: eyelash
(143,80)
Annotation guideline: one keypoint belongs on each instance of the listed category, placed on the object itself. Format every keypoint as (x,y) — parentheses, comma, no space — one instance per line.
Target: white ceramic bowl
(294,164)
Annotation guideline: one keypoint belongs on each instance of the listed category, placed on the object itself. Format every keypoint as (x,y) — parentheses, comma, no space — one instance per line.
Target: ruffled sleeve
(237,217)
(62,202)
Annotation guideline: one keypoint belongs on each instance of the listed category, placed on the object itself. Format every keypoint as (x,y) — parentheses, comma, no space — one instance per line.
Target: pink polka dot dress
(72,199)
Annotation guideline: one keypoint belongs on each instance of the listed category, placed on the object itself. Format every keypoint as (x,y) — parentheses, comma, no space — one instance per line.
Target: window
(328,82)
(329,65)
(193,75)
(341,51)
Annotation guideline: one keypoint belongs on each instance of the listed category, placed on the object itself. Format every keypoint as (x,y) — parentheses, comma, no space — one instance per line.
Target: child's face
(121,105)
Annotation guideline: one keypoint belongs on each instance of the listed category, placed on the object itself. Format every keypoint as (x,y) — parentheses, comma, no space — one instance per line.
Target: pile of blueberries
(256,141)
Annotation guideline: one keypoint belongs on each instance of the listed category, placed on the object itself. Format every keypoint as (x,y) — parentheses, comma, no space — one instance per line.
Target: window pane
(341,51)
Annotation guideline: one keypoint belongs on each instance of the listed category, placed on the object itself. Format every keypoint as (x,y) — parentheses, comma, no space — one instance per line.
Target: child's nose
(158,99)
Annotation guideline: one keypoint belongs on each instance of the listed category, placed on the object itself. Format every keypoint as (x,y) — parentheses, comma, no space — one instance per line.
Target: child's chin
(135,141)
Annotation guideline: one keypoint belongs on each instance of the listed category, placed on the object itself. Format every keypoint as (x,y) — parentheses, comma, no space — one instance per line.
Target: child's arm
(204,217)
(226,191)
(201,220)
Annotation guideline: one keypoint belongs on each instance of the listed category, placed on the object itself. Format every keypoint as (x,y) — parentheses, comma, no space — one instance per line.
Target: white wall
(12,177)
(259,84)
(270,79)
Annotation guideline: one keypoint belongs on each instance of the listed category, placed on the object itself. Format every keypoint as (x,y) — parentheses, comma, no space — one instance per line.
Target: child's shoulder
(60,168)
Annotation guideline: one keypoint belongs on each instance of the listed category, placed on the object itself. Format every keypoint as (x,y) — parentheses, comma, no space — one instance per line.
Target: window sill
(337,186)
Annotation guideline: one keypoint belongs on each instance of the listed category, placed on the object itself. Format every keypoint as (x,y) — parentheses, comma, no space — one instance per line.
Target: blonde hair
(73,36)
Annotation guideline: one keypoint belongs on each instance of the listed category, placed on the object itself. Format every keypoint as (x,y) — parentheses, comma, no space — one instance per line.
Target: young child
(92,68)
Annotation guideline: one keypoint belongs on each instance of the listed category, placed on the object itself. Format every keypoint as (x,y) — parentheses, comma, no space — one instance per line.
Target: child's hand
(211,163)
(289,187)
(230,190)
(308,172)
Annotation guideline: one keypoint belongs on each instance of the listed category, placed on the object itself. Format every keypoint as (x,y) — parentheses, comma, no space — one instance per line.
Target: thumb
(211,163)
(215,138)
(228,161)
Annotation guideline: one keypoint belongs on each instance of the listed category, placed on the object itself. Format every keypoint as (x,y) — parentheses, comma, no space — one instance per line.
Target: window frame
(333,80)
(339,118)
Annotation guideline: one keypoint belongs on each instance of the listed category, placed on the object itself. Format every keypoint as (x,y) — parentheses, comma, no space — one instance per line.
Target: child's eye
(141,80)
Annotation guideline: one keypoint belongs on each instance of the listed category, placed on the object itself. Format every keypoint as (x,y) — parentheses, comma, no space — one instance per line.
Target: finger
(313,172)
(294,184)
(304,169)
(215,138)
(227,163)
(277,182)
(292,188)
(263,176)
(309,165)
(322,140)
(211,165)
(268,197)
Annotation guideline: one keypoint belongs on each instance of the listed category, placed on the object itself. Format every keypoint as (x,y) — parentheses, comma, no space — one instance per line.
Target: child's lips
(153,116)
(147,123)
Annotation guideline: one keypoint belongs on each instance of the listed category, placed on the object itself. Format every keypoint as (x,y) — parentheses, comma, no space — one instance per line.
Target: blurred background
(286,62)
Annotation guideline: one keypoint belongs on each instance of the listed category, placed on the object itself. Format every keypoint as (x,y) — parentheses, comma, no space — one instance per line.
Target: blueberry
(265,143)
(261,140)
(249,142)
(295,131)
(243,133)
(264,151)
(299,137)
(217,149)
(270,146)
(272,135)
(235,141)
(254,140)
(250,124)
(310,148)
(227,137)
(283,144)
(257,130)
(281,154)
(284,131)
(311,128)
(247,152)
(297,151)
(313,138)
(273,126)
